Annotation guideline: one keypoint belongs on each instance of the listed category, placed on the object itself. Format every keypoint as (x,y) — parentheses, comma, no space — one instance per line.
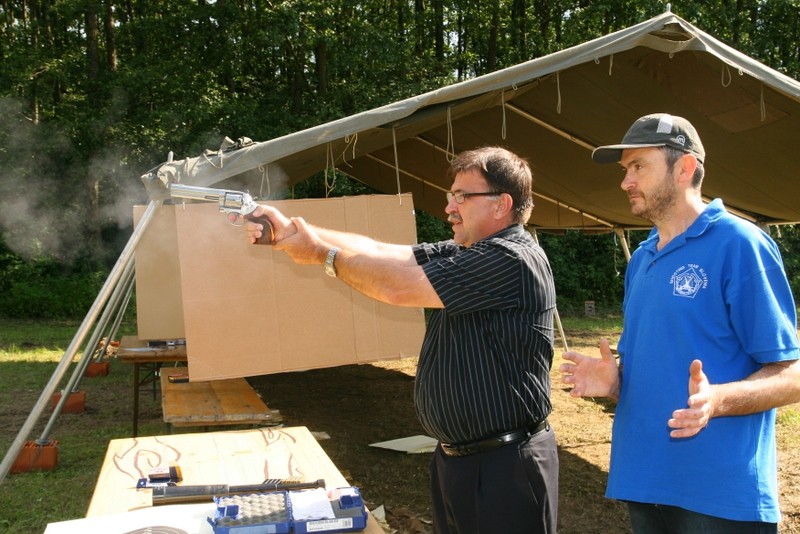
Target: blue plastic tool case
(350,512)
(271,513)
(265,513)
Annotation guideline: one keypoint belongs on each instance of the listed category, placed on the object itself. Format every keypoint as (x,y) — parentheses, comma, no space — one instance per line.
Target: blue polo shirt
(717,293)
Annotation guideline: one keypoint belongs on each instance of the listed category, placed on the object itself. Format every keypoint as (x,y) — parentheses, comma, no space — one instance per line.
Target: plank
(214,402)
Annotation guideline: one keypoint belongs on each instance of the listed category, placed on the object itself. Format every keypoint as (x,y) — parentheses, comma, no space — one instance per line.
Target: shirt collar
(712,212)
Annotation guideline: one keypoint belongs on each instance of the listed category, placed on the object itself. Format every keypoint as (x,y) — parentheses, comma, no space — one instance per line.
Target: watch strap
(330,268)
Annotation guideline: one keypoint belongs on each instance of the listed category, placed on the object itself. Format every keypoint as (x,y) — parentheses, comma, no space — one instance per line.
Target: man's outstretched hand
(591,377)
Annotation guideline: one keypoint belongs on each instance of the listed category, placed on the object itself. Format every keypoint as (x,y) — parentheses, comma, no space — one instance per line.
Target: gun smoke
(51,202)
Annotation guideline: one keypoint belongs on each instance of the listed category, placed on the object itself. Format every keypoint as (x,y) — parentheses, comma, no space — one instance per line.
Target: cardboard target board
(247,310)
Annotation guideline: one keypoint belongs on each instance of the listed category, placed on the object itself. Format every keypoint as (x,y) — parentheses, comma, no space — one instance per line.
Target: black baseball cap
(658,129)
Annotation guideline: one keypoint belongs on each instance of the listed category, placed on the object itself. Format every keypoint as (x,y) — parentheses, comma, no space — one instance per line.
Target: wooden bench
(211,403)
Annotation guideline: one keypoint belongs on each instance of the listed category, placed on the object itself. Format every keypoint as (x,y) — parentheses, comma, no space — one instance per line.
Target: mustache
(453,218)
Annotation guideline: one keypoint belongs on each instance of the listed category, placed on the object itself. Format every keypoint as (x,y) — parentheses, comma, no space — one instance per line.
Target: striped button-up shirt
(484,367)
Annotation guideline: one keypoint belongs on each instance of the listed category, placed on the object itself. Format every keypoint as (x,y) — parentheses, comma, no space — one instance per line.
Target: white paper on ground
(410,445)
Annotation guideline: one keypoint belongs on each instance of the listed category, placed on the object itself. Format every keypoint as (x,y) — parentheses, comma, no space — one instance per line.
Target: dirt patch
(361,404)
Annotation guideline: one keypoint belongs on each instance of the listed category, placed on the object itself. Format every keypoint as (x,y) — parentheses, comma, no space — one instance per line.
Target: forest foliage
(95,92)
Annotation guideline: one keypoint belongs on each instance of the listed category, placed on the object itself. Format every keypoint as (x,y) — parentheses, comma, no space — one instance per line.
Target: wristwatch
(330,268)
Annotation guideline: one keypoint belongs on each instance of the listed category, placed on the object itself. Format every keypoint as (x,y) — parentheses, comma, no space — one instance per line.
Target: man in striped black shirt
(483,379)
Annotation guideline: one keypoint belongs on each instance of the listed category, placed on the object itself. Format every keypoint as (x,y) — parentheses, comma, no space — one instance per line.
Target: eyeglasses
(461,196)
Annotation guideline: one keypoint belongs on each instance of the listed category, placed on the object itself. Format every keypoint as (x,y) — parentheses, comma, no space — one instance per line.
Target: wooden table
(231,401)
(141,355)
(230,457)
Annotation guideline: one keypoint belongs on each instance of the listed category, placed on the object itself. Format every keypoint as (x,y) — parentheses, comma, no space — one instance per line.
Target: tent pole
(624,243)
(125,258)
(118,319)
(77,374)
(560,326)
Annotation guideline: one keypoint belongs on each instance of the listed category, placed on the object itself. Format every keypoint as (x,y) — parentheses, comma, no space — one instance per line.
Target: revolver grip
(267,234)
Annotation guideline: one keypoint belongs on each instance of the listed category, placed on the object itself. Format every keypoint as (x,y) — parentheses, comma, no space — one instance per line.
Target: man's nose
(627,181)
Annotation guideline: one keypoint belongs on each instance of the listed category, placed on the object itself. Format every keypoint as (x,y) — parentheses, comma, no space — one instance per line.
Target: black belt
(495,442)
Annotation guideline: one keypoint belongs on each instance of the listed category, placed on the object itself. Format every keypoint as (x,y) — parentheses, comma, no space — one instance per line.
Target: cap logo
(664,124)
(681,140)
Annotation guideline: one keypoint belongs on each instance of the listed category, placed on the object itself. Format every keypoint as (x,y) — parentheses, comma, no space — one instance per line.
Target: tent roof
(553,111)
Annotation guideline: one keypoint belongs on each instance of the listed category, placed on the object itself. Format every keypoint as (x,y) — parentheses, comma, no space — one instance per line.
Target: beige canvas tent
(554,110)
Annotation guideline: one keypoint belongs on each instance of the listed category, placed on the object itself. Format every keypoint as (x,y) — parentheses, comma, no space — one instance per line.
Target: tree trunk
(438,14)
(494,31)
(519,29)
(321,69)
(111,45)
(419,28)
(92,50)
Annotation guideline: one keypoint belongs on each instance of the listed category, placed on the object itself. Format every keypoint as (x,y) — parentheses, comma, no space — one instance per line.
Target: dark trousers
(513,489)
(661,519)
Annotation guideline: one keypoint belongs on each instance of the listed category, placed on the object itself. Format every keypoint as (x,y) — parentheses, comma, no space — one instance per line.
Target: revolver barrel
(229,201)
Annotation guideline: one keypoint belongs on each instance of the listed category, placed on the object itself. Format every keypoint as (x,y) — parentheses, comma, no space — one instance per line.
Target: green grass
(19,336)
(600,324)
(789,417)
(29,354)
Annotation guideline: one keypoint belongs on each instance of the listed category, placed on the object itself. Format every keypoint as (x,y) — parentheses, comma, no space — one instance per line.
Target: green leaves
(92,94)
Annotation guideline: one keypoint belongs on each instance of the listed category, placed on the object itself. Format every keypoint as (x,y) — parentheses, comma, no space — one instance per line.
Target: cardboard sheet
(410,445)
(249,310)
(159,307)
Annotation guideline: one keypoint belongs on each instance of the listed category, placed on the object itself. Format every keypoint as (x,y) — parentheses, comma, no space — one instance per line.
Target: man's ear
(688,164)
(505,204)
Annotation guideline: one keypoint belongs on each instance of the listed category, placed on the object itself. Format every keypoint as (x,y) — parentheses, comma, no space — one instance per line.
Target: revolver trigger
(233,218)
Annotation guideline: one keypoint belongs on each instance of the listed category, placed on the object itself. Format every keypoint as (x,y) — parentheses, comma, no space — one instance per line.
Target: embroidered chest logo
(688,280)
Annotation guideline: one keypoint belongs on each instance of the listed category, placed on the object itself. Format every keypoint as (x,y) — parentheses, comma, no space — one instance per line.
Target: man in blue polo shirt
(483,379)
(708,350)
